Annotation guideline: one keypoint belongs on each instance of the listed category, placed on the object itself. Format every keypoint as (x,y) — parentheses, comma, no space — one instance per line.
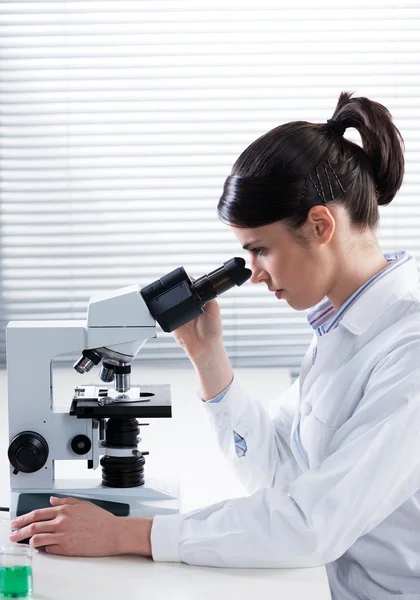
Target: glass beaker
(16,571)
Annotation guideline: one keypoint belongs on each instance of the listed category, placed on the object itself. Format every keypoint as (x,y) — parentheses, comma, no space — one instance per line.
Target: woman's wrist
(214,371)
(135,536)
(209,355)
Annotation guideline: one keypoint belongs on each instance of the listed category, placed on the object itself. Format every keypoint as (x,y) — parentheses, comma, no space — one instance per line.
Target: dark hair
(295,166)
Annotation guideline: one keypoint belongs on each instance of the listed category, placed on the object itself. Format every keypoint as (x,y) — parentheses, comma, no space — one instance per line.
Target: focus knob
(28,452)
(81,444)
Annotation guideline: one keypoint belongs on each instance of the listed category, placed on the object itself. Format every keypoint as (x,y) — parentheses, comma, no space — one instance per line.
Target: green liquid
(15,582)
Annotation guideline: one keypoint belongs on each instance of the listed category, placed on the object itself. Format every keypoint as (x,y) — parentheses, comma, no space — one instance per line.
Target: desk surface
(60,578)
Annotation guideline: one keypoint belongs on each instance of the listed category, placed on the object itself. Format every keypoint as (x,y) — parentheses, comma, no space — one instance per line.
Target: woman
(334,478)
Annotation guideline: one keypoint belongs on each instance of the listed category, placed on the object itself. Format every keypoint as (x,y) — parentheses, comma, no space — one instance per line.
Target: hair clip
(321,195)
(320,186)
(302,196)
(336,178)
(329,182)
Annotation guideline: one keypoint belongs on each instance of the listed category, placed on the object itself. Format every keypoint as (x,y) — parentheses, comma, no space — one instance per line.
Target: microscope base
(155,497)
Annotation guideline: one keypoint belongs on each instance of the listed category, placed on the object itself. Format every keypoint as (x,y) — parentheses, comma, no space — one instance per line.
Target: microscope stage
(147,401)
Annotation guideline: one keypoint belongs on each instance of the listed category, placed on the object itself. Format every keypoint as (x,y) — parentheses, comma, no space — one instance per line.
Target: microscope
(103,419)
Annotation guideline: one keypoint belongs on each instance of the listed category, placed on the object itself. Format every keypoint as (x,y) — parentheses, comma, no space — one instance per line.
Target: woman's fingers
(33,529)
(44,539)
(41,514)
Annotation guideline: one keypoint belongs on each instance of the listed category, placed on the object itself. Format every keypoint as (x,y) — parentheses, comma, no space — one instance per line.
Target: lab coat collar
(380,296)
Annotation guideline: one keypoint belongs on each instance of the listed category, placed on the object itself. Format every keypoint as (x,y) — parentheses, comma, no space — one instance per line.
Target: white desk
(61,578)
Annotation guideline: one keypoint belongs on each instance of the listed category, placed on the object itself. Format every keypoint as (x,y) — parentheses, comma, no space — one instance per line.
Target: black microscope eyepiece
(174,299)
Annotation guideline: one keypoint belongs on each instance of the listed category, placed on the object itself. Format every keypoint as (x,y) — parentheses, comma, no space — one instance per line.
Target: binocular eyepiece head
(174,299)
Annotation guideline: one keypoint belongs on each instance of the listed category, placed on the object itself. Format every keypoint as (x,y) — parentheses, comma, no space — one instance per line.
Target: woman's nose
(257,276)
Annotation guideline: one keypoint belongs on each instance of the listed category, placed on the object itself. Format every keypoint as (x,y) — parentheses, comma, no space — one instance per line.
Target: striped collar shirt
(323,317)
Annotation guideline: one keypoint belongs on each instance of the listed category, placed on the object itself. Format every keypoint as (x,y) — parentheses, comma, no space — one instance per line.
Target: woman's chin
(296,303)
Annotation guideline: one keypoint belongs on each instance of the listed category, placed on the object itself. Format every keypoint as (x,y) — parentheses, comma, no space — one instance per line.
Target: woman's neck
(353,272)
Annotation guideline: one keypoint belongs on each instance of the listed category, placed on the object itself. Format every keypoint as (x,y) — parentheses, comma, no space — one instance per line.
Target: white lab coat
(334,477)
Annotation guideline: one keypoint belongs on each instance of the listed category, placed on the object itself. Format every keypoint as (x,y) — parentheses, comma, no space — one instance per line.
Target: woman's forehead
(250,236)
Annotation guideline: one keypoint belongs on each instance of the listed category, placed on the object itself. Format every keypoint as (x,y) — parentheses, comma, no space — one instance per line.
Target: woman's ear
(321,223)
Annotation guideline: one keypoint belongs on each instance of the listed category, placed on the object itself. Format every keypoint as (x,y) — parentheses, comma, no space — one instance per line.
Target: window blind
(121,120)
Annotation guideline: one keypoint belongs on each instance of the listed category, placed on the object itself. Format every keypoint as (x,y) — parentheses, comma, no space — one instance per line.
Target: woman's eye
(258,251)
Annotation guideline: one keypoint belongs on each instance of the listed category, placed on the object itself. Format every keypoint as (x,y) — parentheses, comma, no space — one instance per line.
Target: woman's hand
(75,527)
(202,333)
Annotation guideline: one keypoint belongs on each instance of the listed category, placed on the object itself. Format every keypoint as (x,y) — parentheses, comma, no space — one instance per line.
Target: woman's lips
(279,294)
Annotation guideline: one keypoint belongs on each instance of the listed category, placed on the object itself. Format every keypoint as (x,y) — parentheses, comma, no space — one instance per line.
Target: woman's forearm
(214,371)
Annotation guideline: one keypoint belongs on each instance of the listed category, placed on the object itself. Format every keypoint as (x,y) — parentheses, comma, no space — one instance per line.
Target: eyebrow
(248,244)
